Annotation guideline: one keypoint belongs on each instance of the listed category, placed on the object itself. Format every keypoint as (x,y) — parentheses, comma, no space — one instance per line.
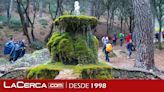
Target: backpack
(8,47)
(109,47)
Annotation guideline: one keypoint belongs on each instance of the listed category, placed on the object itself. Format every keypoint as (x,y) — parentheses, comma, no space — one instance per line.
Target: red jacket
(128,38)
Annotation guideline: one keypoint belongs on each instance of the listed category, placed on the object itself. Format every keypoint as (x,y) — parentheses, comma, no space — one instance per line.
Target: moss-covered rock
(42,72)
(75,50)
(76,23)
(96,73)
(76,45)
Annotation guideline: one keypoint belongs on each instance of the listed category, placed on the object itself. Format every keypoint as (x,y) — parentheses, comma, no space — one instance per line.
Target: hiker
(129,48)
(14,49)
(134,41)
(105,40)
(114,39)
(19,50)
(157,36)
(22,49)
(163,35)
(121,37)
(9,48)
(128,38)
(108,49)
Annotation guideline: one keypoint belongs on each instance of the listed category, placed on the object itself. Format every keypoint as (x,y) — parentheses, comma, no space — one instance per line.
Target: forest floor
(122,61)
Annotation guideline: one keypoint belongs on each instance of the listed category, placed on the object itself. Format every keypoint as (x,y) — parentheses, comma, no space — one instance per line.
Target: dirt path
(122,61)
(67,74)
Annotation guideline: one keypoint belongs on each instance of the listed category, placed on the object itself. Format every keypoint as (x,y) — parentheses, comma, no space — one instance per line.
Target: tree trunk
(107,31)
(41,8)
(50,34)
(32,33)
(160,31)
(9,10)
(53,18)
(130,24)
(121,23)
(24,24)
(144,33)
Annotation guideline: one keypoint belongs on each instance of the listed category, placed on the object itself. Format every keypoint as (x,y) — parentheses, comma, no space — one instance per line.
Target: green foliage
(43,22)
(15,23)
(76,23)
(42,72)
(37,45)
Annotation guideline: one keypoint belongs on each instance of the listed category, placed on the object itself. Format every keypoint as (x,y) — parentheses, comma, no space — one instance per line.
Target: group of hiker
(15,49)
(109,42)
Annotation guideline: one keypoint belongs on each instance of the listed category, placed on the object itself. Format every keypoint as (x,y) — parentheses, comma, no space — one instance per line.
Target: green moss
(53,45)
(42,72)
(83,53)
(100,70)
(76,23)
(76,45)
(96,73)
(66,51)
(72,50)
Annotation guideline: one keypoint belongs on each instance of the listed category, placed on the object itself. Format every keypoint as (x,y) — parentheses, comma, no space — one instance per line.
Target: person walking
(105,40)
(163,35)
(128,38)
(9,48)
(108,49)
(129,48)
(157,36)
(121,37)
(114,39)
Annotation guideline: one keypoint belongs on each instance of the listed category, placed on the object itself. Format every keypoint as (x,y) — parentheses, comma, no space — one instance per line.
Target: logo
(56,85)
(21,84)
